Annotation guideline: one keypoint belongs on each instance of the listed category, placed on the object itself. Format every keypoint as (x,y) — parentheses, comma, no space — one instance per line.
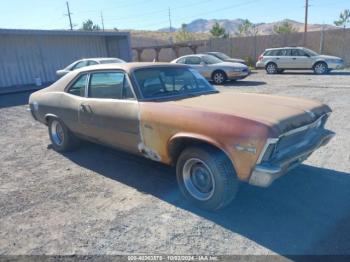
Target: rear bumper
(264,174)
(260,64)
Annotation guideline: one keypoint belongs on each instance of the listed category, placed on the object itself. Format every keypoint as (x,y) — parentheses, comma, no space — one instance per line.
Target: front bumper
(237,75)
(335,66)
(265,173)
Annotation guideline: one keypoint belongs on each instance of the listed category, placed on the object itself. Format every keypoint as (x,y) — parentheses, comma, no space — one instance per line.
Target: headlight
(338,61)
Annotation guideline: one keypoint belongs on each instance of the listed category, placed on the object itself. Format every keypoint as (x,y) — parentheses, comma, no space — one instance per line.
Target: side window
(283,52)
(193,60)
(78,88)
(297,52)
(80,65)
(109,85)
(91,62)
(181,60)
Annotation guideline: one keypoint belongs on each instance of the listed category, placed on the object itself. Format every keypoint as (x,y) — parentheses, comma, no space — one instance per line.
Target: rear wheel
(271,68)
(219,77)
(62,138)
(320,68)
(206,177)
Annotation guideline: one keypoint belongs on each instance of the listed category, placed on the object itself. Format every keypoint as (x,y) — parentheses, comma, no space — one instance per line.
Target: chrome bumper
(265,173)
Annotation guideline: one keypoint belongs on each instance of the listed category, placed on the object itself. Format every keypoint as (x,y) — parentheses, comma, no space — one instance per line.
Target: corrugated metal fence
(38,54)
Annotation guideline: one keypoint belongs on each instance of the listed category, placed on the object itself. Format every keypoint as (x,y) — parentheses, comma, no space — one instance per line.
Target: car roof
(100,58)
(285,47)
(128,66)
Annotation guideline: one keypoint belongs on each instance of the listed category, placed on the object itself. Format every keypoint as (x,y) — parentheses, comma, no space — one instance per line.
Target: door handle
(84,107)
(294,58)
(277,58)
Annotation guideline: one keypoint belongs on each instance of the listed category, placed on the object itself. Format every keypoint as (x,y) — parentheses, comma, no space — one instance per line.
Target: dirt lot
(100,201)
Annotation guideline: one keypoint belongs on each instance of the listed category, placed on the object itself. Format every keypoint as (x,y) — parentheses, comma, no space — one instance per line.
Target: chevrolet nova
(171,114)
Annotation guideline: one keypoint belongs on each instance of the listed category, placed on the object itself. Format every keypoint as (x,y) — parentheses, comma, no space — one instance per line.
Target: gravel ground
(101,201)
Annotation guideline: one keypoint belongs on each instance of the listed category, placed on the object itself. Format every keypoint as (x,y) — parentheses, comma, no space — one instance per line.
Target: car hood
(328,57)
(280,113)
(230,64)
(235,60)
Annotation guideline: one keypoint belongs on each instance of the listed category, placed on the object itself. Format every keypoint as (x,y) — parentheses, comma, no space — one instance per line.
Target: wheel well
(317,62)
(218,70)
(179,144)
(48,117)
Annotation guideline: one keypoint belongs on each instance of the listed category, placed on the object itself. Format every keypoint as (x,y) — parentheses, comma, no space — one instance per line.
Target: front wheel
(219,77)
(320,68)
(206,177)
(61,137)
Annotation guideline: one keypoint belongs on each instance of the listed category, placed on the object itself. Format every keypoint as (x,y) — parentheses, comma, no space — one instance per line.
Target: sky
(154,14)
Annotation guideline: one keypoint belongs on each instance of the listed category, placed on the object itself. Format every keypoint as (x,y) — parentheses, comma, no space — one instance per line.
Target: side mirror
(307,55)
(203,63)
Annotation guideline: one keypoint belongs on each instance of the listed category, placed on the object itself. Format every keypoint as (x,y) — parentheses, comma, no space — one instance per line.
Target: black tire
(219,77)
(222,186)
(271,68)
(320,68)
(62,139)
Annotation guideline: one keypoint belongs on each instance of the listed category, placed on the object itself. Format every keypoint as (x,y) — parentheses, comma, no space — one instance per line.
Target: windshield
(208,59)
(170,82)
(310,52)
(222,56)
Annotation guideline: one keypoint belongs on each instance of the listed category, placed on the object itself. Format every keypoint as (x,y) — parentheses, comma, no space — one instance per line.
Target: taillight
(260,57)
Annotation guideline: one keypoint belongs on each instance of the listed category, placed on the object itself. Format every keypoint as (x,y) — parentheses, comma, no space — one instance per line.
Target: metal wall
(26,56)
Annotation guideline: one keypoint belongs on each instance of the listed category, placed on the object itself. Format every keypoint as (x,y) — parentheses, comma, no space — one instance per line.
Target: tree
(183,35)
(218,31)
(88,25)
(247,28)
(284,28)
(344,18)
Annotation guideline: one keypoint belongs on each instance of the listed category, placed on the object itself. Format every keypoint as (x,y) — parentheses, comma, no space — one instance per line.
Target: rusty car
(169,113)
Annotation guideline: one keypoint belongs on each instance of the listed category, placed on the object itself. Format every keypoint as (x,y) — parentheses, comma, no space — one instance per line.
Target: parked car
(213,68)
(169,113)
(87,62)
(276,60)
(226,58)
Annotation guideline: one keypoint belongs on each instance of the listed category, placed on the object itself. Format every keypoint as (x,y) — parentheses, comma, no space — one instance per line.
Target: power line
(69,15)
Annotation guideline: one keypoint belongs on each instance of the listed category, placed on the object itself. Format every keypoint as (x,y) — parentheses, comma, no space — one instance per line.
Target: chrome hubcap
(57,133)
(198,179)
(271,68)
(320,68)
(218,78)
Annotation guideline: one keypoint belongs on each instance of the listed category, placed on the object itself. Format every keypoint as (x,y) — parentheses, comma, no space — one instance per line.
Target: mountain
(231,26)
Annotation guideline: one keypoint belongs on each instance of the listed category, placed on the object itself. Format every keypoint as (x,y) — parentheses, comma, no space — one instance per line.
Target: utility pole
(69,15)
(169,21)
(103,25)
(306,17)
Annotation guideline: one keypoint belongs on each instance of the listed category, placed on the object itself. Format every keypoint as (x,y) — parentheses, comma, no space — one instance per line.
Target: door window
(193,60)
(78,88)
(80,64)
(91,62)
(109,85)
(283,52)
(298,52)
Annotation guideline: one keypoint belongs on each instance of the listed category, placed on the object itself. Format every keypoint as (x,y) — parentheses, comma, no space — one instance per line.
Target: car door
(197,63)
(283,58)
(301,60)
(110,113)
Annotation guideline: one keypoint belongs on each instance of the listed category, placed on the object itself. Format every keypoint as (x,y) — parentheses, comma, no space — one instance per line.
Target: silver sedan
(213,68)
(87,62)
